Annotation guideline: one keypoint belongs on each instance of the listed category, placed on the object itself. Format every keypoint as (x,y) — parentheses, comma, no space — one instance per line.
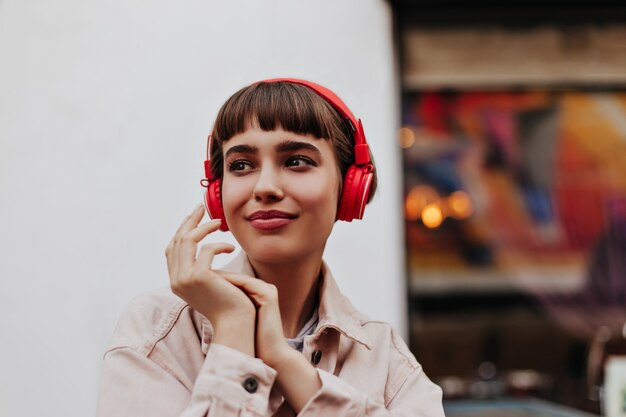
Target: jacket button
(250,384)
(316,357)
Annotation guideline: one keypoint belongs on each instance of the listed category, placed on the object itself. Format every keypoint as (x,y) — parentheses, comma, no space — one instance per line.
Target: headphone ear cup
(213,203)
(346,193)
(356,189)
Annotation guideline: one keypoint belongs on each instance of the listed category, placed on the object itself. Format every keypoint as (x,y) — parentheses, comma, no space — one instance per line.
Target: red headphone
(357,181)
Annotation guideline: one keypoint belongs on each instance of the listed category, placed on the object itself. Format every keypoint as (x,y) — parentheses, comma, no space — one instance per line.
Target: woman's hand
(296,379)
(270,343)
(229,309)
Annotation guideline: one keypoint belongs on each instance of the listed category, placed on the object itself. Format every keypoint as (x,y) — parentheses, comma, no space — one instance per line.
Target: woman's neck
(297,284)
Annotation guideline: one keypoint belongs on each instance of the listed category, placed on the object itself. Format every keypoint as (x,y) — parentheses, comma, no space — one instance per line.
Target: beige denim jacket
(161,363)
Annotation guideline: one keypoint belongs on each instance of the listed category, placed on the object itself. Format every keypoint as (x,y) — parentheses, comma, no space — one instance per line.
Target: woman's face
(279,193)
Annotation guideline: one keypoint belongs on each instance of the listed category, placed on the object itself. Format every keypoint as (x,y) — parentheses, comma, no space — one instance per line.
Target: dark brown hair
(291,107)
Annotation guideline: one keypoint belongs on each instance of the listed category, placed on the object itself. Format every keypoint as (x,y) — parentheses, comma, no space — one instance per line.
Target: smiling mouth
(270,219)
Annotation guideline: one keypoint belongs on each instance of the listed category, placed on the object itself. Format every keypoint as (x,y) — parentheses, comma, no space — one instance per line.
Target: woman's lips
(270,219)
(271,223)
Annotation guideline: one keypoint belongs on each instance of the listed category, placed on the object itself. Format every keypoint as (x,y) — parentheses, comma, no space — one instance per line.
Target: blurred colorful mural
(510,188)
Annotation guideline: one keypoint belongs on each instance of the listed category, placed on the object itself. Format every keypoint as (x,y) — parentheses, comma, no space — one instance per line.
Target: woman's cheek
(320,198)
(235,193)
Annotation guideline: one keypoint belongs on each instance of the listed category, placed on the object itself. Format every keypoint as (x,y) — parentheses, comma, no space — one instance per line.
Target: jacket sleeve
(417,397)
(135,385)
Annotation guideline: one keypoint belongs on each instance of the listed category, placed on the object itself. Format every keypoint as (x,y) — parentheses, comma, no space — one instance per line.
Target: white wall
(104,110)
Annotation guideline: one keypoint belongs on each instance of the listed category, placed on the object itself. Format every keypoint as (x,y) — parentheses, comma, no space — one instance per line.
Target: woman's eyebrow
(292,145)
(241,149)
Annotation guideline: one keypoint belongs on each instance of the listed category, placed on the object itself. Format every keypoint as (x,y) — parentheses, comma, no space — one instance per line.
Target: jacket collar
(335,311)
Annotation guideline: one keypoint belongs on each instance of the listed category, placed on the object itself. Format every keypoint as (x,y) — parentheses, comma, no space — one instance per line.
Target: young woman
(270,333)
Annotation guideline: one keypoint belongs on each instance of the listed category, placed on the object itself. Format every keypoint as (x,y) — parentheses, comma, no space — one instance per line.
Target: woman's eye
(239,165)
(300,161)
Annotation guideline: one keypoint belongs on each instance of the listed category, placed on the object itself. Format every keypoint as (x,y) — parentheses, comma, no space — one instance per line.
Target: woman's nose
(268,187)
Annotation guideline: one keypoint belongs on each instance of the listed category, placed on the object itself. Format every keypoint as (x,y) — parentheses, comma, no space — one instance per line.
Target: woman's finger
(204,229)
(258,290)
(173,250)
(191,221)
(170,254)
(208,251)
(187,244)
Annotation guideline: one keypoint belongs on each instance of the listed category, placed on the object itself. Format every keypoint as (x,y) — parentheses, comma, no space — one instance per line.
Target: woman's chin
(280,252)
(272,254)
(284,248)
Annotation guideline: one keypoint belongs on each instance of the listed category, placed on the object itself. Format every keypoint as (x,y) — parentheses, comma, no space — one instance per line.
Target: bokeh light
(460,205)
(406,137)
(418,198)
(432,216)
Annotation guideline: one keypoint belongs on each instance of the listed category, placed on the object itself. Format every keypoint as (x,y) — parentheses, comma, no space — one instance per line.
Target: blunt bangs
(277,105)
